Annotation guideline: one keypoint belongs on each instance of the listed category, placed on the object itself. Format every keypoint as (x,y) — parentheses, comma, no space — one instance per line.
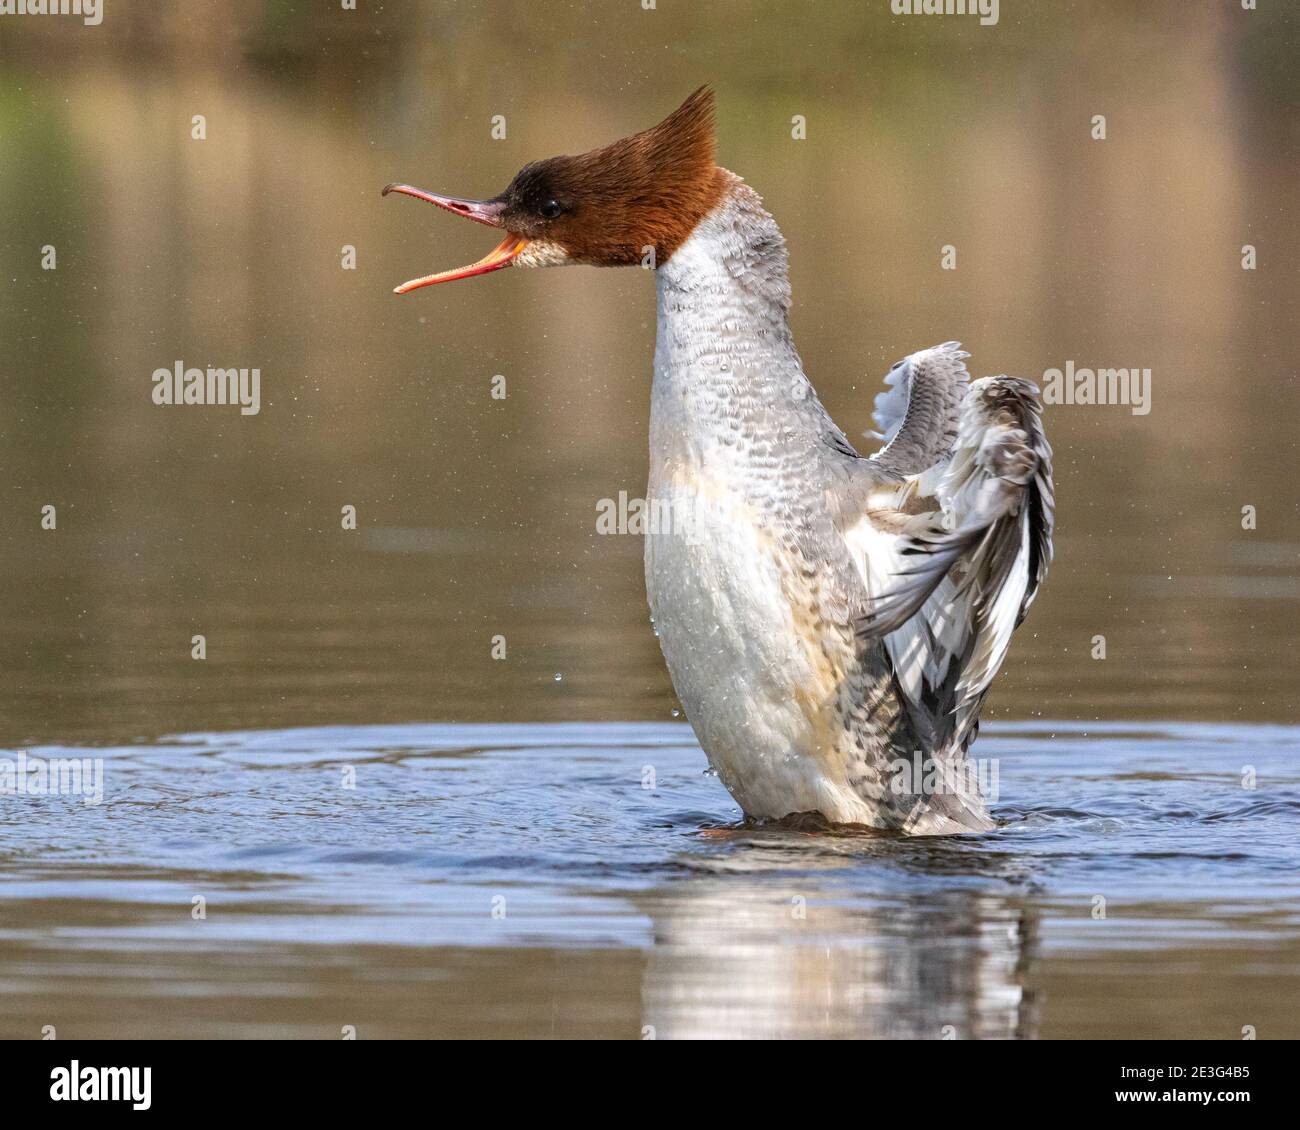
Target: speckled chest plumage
(751,585)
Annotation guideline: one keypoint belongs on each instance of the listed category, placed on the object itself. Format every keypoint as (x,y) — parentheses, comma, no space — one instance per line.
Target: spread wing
(954,554)
(917,414)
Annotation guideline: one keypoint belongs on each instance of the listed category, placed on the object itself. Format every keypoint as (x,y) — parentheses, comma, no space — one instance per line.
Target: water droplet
(677,713)
(558,677)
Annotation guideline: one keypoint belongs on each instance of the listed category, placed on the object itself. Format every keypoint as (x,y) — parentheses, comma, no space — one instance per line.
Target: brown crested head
(608,208)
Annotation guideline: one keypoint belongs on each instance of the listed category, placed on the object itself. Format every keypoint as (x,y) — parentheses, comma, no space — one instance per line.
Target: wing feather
(949,586)
(917,415)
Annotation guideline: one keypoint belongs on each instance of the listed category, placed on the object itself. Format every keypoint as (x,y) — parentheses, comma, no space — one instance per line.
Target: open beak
(482,211)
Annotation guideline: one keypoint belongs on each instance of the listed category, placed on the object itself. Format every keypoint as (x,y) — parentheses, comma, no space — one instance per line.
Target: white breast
(718,583)
(728,637)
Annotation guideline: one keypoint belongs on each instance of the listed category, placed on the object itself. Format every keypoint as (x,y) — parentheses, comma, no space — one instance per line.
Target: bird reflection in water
(763,939)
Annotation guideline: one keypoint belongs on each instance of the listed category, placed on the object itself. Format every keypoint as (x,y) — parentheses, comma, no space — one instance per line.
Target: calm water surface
(523,879)
(498,868)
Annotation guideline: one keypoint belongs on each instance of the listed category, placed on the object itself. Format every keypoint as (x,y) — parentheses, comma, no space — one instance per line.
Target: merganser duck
(831,622)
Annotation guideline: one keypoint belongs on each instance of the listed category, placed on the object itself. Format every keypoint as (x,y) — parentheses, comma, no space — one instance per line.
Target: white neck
(726,289)
(727,375)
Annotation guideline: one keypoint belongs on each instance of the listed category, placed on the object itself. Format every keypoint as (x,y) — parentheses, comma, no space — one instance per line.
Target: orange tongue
(500,256)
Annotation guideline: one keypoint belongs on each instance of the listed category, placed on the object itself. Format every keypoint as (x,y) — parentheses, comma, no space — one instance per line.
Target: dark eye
(550,209)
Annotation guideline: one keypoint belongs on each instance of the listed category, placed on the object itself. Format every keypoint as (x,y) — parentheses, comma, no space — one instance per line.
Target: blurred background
(630,908)
(477,516)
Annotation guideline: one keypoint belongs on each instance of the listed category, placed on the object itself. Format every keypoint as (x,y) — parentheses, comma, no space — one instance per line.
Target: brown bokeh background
(477,516)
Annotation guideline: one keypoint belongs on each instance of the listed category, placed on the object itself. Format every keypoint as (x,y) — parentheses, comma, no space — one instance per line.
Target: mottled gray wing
(917,414)
(950,585)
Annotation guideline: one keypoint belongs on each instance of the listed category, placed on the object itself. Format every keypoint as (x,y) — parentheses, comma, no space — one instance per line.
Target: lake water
(591,880)
(499,868)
